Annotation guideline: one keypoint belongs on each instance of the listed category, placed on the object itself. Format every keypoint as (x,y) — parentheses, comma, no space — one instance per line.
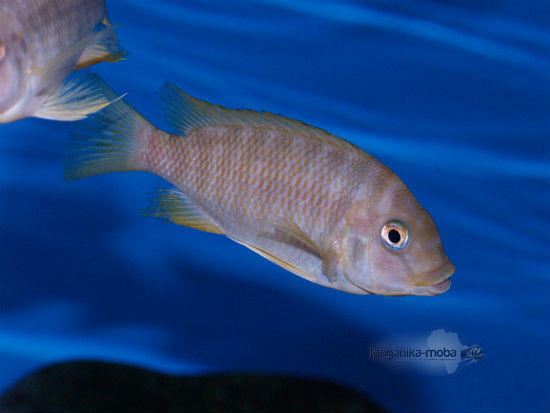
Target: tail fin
(108,141)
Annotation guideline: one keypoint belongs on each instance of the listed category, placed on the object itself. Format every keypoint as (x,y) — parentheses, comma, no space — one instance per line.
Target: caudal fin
(107,141)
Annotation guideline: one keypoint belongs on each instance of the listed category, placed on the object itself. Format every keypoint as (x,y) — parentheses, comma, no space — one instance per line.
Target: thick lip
(443,284)
(440,287)
(435,276)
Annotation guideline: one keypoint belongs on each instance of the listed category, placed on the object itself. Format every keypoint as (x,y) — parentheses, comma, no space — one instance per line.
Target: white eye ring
(395,235)
(2,50)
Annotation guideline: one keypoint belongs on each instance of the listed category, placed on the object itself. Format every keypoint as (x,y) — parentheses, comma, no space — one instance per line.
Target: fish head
(392,246)
(12,68)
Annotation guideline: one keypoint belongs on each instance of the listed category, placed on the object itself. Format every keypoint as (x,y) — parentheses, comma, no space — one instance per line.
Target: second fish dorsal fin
(185,113)
(173,205)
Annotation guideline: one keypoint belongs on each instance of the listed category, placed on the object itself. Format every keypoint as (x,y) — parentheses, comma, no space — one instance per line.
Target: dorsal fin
(185,113)
(172,204)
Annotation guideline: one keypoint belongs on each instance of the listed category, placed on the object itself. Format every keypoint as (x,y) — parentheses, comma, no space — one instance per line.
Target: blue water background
(454,96)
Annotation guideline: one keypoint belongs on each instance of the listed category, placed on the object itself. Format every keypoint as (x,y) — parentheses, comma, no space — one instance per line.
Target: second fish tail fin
(108,141)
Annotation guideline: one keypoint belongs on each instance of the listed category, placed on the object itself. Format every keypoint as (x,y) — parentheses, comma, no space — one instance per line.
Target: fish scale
(271,154)
(220,182)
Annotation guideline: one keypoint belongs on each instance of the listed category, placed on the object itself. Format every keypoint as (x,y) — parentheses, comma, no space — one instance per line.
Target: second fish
(41,44)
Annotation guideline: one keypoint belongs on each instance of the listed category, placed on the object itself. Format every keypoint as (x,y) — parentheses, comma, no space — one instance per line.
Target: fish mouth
(442,284)
(436,282)
(439,288)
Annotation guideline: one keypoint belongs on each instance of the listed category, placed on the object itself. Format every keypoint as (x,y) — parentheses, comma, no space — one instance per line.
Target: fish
(473,353)
(42,43)
(304,199)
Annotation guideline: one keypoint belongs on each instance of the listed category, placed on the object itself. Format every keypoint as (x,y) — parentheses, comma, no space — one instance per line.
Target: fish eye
(395,235)
(2,50)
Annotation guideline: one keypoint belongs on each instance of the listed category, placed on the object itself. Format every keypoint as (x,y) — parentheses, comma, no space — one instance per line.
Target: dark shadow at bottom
(98,386)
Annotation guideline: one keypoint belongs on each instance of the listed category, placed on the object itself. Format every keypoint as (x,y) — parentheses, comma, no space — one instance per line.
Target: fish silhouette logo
(472,353)
(441,352)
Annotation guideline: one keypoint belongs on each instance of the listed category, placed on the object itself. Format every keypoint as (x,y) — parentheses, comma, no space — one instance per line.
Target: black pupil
(394,236)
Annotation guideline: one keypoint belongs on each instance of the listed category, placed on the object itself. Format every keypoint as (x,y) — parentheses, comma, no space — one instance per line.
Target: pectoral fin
(104,49)
(288,226)
(173,205)
(280,262)
(78,96)
(331,263)
(52,75)
(328,256)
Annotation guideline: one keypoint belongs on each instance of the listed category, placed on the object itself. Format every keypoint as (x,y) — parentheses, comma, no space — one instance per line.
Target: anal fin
(173,205)
(80,95)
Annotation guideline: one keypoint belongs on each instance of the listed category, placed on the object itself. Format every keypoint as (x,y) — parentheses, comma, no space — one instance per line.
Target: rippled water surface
(454,96)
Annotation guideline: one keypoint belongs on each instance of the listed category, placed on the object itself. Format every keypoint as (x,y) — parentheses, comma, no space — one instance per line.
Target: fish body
(473,353)
(304,199)
(41,43)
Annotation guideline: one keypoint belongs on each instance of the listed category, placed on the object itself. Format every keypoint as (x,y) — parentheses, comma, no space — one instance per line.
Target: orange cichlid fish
(41,43)
(304,199)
